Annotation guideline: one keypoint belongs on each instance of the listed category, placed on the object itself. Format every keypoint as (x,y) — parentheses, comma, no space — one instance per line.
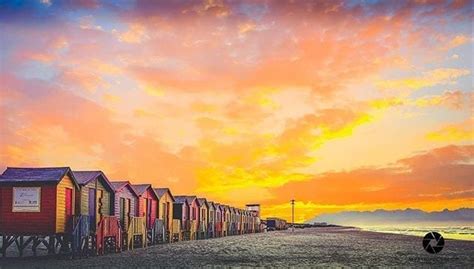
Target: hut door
(92,206)
(68,209)
(122,212)
(148,211)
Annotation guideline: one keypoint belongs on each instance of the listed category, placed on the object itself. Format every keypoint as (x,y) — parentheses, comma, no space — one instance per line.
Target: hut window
(26,199)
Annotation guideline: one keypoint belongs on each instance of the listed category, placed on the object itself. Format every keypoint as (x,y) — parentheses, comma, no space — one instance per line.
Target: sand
(315,247)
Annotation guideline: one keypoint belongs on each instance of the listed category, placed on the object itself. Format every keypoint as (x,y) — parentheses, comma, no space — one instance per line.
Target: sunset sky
(341,105)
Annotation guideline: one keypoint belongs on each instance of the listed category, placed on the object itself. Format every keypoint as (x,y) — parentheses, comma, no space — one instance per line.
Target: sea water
(448,232)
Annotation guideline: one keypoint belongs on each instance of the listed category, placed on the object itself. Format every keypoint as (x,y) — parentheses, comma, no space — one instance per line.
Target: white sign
(26,199)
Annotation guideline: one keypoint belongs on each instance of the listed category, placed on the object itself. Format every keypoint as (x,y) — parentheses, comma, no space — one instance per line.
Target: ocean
(461,232)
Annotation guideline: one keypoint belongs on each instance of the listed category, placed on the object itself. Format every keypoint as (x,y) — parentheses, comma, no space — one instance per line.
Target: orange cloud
(88,81)
(240,102)
(444,173)
(440,76)
(454,132)
(135,34)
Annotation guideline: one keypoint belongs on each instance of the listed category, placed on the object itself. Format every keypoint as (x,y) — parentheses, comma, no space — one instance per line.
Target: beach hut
(148,208)
(238,220)
(234,225)
(244,221)
(37,206)
(181,214)
(225,220)
(125,209)
(249,222)
(218,221)
(193,215)
(203,218)
(211,216)
(94,199)
(165,212)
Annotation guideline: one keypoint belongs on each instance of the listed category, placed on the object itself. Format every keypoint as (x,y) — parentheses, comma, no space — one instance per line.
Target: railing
(136,227)
(80,234)
(108,234)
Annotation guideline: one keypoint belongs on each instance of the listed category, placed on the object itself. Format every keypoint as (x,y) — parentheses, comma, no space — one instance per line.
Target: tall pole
(292,215)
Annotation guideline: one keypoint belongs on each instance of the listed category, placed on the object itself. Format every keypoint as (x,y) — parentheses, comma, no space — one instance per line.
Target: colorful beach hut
(193,215)
(94,200)
(238,220)
(37,206)
(211,217)
(233,228)
(219,220)
(181,214)
(148,208)
(226,220)
(203,218)
(125,209)
(165,212)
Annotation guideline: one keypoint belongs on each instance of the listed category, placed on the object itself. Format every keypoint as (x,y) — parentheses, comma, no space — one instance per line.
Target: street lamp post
(292,215)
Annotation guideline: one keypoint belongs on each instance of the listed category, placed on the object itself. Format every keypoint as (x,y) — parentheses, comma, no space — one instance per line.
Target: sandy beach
(315,247)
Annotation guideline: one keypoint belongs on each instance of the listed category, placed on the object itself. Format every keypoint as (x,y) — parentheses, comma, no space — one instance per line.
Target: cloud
(136,34)
(456,42)
(454,132)
(60,128)
(233,100)
(440,76)
(454,99)
(89,81)
(445,172)
(267,161)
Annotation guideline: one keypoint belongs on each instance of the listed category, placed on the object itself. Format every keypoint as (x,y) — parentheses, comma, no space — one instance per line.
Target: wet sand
(315,247)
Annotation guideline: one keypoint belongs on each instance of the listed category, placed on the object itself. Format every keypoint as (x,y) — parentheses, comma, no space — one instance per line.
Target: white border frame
(26,209)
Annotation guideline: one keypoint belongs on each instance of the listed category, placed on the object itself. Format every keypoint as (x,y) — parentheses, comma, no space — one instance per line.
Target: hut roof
(42,174)
(119,185)
(161,191)
(140,189)
(84,177)
(211,204)
(203,201)
(188,198)
(191,198)
(180,199)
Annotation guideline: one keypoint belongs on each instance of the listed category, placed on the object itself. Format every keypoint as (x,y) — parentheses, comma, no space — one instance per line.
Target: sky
(340,105)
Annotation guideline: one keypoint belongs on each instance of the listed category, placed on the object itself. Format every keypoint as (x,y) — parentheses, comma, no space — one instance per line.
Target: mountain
(381,216)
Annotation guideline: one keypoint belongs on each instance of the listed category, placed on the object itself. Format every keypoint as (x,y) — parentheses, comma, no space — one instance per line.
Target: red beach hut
(147,207)
(37,205)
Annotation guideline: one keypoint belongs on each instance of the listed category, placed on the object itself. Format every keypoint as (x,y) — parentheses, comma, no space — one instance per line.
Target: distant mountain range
(380,217)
